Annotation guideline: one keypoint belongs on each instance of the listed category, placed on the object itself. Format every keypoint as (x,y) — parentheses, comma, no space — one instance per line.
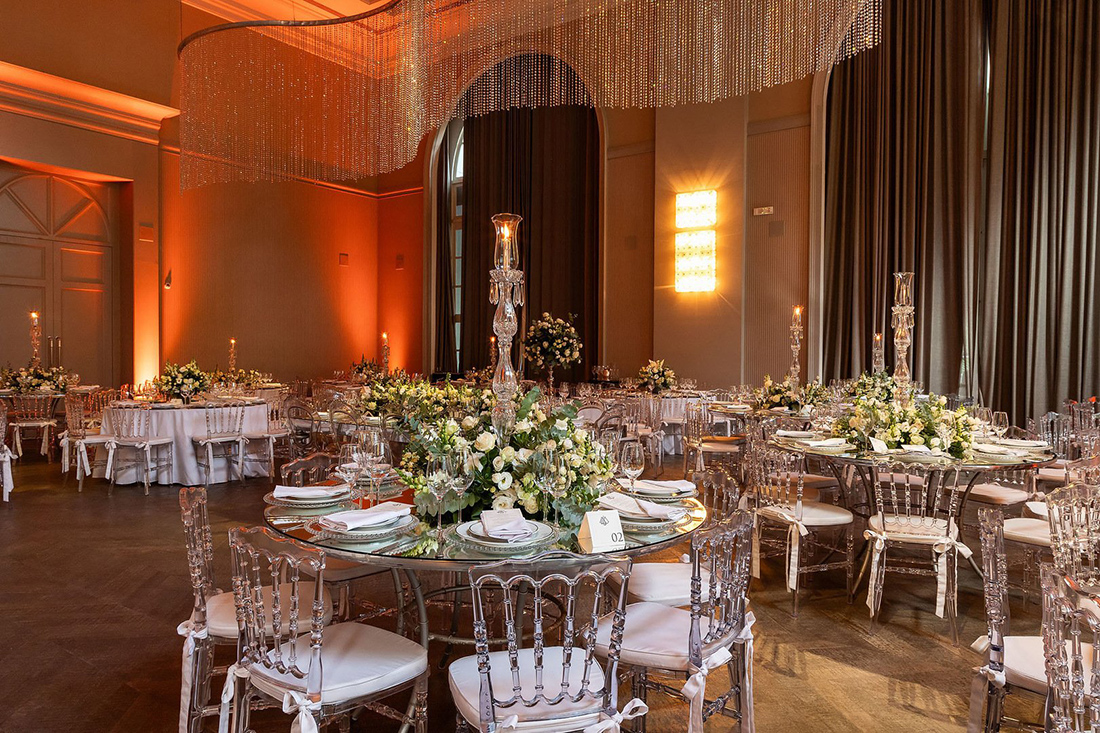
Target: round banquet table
(183,423)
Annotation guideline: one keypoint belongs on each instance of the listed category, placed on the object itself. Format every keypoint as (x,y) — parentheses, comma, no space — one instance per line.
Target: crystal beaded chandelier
(343,99)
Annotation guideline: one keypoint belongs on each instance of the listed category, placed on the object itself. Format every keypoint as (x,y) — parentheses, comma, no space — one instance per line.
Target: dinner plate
(473,532)
(919,457)
(333,500)
(830,450)
(1018,443)
(395,526)
(640,526)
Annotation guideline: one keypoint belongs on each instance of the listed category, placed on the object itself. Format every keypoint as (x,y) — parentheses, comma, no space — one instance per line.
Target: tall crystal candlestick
(878,355)
(385,352)
(505,292)
(492,352)
(36,340)
(232,355)
(903,328)
(796,345)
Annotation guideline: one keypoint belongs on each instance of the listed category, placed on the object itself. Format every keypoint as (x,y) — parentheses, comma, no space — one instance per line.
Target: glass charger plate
(650,526)
(663,498)
(393,527)
(318,503)
(544,537)
(831,450)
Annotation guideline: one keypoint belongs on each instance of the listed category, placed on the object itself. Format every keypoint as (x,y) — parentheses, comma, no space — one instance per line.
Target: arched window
(457,178)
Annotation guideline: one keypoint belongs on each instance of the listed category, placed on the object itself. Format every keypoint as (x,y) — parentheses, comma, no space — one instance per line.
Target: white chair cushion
(655,636)
(719,446)
(997,494)
(465,685)
(1025,664)
(814,514)
(1029,530)
(1052,475)
(356,661)
(280,433)
(667,583)
(221,614)
(94,439)
(218,438)
(30,422)
(916,530)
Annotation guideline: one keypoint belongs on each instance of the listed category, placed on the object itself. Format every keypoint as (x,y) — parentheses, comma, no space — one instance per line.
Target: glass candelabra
(36,340)
(796,345)
(506,293)
(903,327)
(878,355)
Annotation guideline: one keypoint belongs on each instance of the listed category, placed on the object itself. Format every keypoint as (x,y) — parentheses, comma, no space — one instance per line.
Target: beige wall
(700,147)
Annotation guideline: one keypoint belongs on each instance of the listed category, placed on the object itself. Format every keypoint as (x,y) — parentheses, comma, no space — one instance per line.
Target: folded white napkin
(795,434)
(1019,443)
(309,492)
(630,506)
(660,488)
(826,443)
(506,524)
(996,450)
(357,518)
(917,448)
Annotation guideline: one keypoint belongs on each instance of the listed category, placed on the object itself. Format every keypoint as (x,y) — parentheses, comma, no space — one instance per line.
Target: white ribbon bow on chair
(795,532)
(63,439)
(695,689)
(755,546)
(234,672)
(17,440)
(297,702)
(187,630)
(6,483)
(941,548)
(748,725)
(982,677)
(878,546)
(633,709)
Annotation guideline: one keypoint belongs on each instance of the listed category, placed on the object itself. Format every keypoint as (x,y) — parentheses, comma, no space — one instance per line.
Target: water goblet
(440,479)
(559,464)
(632,462)
(463,479)
(1000,424)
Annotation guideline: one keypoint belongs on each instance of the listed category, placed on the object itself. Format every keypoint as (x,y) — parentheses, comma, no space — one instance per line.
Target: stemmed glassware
(632,462)
(377,457)
(609,441)
(463,478)
(559,466)
(546,475)
(441,473)
(349,466)
(1000,424)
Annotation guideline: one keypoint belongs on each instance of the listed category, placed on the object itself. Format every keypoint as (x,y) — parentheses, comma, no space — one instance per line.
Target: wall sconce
(696,249)
(168,281)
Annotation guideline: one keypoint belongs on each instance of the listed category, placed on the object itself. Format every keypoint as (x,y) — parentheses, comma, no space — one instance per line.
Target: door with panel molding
(58,254)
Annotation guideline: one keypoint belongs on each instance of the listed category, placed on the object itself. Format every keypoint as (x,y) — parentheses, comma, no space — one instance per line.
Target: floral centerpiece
(182,381)
(366,370)
(246,378)
(925,422)
(552,342)
(788,395)
(656,377)
(35,379)
(504,471)
(407,399)
(879,385)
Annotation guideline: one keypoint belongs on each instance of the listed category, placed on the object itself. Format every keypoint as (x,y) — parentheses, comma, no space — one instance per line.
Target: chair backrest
(1020,479)
(1084,471)
(224,419)
(612,419)
(1055,429)
(725,552)
(309,470)
(262,558)
(697,423)
(590,413)
(915,498)
(343,419)
(776,478)
(1070,622)
(33,406)
(97,403)
(132,421)
(995,582)
(720,493)
(559,586)
(76,416)
(200,548)
(1073,512)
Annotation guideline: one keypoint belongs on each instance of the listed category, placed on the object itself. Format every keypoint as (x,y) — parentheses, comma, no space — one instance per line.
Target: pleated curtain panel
(1003,243)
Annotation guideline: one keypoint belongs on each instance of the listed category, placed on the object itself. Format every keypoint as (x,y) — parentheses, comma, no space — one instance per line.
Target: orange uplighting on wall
(696,248)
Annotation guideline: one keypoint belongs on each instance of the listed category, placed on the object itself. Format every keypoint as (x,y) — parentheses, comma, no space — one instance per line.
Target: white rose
(581,433)
(561,424)
(551,444)
(567,444)
(523,426)
(503,502)
(469,422)
(524,454)
(508,453)
(498,464)
(531,504)
(451,427)
(485,441)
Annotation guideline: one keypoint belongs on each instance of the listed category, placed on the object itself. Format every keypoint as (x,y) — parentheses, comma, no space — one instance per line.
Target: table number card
(601,531)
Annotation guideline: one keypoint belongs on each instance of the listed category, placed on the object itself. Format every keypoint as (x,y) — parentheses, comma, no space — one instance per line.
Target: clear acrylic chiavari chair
(777,485)
(288,655)
(32,413)
(555,683)
(224,440)
(136,445)
(1071,647)
(916,509)
(1014,664)
(261,446)
(666,643)
(702,446)
(82,431)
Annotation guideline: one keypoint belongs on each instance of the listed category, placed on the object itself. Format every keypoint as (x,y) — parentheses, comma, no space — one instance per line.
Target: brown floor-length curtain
(903,181)
(444,360)
(1040,326)
(542,164)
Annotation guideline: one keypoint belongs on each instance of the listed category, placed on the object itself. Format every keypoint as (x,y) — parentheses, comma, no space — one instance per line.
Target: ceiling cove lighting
(696,248)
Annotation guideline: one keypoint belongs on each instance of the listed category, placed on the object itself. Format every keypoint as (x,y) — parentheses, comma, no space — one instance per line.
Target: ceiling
(237,10)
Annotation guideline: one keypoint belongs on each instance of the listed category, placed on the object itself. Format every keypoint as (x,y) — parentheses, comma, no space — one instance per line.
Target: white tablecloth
(183,424)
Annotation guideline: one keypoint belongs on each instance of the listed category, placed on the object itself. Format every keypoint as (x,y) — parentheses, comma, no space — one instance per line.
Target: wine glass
(463,478)
(632,462)
(546,475)
(348,467)
(1000,424)
(440,479)
(563,391)
(377,457)
(559,466)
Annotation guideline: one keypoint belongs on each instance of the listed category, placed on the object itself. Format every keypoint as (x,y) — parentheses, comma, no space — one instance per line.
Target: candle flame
(798,310)
(232,341)
(34,314)
(385,336)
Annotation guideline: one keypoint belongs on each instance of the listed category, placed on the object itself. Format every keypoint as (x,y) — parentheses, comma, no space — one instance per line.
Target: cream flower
(485,441)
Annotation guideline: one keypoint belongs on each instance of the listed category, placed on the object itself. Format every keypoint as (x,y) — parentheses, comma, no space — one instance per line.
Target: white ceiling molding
(241,10)
(44,96)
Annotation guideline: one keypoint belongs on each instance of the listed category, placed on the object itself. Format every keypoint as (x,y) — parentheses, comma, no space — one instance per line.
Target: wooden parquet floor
(94,586)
